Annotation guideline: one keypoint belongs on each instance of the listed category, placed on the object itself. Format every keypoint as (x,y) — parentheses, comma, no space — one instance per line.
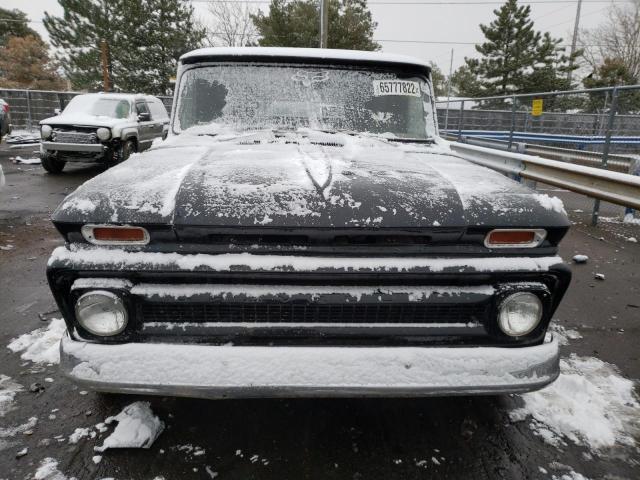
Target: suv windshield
(288,97)
(101,107)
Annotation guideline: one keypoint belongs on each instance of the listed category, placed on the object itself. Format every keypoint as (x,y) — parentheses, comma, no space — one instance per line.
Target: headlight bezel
(119,302)
(506,327)
(105,137)
(45,132)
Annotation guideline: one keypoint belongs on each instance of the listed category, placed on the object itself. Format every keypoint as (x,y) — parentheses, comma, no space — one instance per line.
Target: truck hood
(307,179)
(84,120)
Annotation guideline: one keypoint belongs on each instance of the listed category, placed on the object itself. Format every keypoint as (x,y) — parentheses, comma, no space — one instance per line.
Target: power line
(388,40)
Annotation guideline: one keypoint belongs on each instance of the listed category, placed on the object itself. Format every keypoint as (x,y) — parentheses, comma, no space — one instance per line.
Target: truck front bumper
(209,371)
(73,147)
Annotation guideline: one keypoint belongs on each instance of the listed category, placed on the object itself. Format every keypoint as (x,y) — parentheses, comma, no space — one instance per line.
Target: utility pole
(104,56)
(446,115)
(324,23)
(576,26)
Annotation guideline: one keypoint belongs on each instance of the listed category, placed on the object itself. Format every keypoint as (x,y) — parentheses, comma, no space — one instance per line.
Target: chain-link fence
(596,127)
(29,107)
(592,120)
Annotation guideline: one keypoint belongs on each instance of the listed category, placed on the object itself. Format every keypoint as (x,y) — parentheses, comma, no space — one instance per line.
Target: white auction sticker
(396,87)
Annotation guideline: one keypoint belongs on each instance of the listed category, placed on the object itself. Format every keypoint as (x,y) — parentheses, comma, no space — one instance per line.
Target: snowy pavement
(585,425)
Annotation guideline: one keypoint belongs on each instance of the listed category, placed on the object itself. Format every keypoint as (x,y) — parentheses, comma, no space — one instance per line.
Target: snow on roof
(311,53)
(125,96)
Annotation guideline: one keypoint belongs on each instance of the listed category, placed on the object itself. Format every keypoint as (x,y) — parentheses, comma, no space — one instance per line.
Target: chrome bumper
(286,371)
(72,147)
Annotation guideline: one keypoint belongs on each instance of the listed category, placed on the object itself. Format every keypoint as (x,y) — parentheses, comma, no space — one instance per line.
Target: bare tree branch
(618,37)
(232,25)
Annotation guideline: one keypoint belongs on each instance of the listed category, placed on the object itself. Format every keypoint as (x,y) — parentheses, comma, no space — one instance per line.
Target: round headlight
(45,132)
(103,134)
(519,313)
(101,313)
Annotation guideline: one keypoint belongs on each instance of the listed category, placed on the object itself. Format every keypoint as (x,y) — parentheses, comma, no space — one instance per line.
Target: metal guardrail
(615,162)
(615,187)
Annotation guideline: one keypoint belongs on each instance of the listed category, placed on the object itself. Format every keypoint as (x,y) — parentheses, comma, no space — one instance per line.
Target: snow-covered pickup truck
(305,232)
(101,128)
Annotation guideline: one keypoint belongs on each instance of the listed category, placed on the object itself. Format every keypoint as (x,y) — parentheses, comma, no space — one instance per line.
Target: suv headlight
(103,134)
(519,314)
(45,132)
(101,313)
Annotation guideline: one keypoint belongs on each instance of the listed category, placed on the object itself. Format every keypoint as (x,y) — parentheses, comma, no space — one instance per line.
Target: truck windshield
(100,107)
(288,97)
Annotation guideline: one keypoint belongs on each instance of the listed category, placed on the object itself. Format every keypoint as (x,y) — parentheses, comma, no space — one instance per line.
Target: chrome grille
(74,137)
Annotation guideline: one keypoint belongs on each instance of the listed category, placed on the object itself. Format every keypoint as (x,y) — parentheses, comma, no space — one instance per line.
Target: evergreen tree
(296,24)
(439,81)
(144,39)
(515,57)
(465,83)
(168,32)
(14,23)
(613,72)
(25,63)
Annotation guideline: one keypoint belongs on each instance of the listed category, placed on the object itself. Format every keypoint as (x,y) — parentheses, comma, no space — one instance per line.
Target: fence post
(460,117)
(513,122)
(29,118)
(605,150)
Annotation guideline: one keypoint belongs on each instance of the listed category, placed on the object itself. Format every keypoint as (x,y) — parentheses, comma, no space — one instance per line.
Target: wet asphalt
(447,438)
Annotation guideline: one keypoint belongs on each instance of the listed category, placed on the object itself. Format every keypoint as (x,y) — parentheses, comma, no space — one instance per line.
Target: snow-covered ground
(41,345)
(8,391)
(26,161)
(590,405)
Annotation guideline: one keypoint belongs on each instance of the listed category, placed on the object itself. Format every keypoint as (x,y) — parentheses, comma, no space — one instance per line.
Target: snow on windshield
(99,106)
(287,97)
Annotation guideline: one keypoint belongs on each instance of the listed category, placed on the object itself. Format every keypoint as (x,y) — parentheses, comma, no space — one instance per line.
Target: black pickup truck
(304,231)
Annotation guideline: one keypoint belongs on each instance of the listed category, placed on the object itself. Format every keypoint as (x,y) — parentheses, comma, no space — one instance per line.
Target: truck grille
(313,313)
(74,137)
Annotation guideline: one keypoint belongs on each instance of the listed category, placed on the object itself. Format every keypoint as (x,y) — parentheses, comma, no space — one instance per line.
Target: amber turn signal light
(508,238)
(115,235)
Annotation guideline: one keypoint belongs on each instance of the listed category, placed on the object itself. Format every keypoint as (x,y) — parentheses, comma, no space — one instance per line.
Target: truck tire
(123,152)
(51,164)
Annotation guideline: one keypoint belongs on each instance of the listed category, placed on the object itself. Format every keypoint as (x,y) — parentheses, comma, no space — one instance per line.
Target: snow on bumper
(230,371)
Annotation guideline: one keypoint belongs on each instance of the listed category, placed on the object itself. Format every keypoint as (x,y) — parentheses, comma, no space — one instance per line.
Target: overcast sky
(427,23)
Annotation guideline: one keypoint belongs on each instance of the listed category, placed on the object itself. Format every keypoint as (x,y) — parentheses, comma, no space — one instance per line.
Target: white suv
(101,127)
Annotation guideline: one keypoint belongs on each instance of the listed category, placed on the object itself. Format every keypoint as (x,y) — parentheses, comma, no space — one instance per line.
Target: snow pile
(27,161)
(590,404)
(48,470)
(41,345)
(580,258)
(564,334)
(550,203)
(13,431)
(629,218)
(571,475)
(137,427)
(8,390)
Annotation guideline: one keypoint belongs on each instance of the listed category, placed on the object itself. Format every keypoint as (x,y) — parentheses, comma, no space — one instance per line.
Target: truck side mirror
(144,117)
(57,111)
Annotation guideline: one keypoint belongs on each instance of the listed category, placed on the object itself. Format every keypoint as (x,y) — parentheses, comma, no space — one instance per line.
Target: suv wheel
(124,152)
(51,164)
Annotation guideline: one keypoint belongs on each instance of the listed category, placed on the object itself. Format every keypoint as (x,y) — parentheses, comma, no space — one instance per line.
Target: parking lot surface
(448,438)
